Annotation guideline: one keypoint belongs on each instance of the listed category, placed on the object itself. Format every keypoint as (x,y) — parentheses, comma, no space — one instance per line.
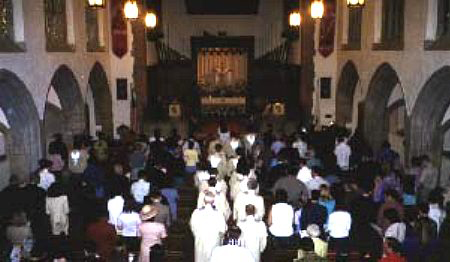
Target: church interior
(90,87)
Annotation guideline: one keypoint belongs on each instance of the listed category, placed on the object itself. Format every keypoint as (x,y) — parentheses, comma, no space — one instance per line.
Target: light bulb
(151,20)
(317,9)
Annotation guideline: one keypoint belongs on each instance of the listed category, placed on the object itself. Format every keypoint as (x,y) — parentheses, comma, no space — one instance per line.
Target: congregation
(325,194)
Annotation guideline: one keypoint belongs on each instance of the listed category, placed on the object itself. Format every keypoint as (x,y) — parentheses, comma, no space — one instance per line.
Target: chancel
(224,130)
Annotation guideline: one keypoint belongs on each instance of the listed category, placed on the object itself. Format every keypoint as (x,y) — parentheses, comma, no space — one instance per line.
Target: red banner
(118,29)
(327,28)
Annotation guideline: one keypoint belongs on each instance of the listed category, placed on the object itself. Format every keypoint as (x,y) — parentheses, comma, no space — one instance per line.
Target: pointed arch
(376,123)
(23,145)
(98,83)
(427,131)
(345,93)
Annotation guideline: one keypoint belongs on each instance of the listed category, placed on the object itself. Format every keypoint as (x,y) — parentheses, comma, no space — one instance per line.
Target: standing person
(295,188)
(101,148)
(396,228)
(428,179)
(170,192)
(300,145)
(254,233)
(141,188)
(128,225)
(208,226)
(280,221)
(152,232)
(342,151)
(78,158)
(191,158)
(250,197)
(57,207)
(339,225)
(137,160)
(392,251)
(313,212)
(103,235)
(46,178)
(391,202)
(304,173)
(232,250)
(163,215)
(115,207)
(58,153)
(427,231)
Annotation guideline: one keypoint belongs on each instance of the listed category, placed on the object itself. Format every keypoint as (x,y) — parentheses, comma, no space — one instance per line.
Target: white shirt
(282,219)
(437,214)
(115,208)
(397,231)
(343,152)
(140,190)
(315,183)
(339,224)
(128,224)
(301,147)
(231,253)
(46,179)
(304,175)
(254,236)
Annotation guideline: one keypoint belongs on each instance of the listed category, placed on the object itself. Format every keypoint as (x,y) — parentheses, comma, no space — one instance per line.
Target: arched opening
(429,125)
(377,111)
(345,92)
(445,159)
(64,108)
(21,135)
(397,116)
(101,116)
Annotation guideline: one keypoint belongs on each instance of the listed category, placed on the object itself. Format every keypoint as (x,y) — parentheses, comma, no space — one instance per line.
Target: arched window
(56,25)
(390,37)
(94,30)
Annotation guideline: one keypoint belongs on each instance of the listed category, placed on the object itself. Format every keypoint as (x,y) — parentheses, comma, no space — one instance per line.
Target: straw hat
(313,230)
(148,212)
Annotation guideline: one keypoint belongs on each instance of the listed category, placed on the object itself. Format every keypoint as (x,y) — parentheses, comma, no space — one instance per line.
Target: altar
(222,81)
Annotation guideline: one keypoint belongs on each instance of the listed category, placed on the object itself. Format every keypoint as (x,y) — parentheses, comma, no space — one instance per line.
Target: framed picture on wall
(122,88)
(325,87)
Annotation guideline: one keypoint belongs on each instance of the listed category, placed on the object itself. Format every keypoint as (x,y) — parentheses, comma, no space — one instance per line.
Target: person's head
(58,137)
(302,162)
(436,197)
(281,196)
(392,215)
(250,210)
(129,205)
(423,209)
(142,174)
(340,139)
(252,184)
(118,168)
(386,145)
(315,195)
(218,148)
(233,234)
(425,160)
(148,213)
(212,182)
(155,196)
(391,195)
(325,191)
(391,245)
(209,197)
(313,230)
(191,144)
(157,133)
(316,171)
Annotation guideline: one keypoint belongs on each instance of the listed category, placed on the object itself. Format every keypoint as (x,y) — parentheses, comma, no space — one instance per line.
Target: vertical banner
(327,29)
(118,29)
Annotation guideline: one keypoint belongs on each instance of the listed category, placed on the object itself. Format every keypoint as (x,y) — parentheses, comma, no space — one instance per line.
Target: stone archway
(98,84)
(345,93)
(64,109)
(376,115)
(23,144)
(427,131)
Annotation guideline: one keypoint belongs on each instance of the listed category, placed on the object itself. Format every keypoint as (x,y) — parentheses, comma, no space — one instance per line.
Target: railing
(277,55)
(168,55)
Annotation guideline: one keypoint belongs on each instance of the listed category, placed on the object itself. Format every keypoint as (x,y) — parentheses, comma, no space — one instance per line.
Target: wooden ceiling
(222,7)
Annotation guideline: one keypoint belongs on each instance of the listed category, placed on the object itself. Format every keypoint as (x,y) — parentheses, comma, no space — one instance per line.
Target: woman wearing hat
(152,232)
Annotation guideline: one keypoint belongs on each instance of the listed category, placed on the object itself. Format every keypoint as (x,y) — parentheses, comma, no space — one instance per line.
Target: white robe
(208,225)
(254,236)
(220,201)
(58,210)
(248,198)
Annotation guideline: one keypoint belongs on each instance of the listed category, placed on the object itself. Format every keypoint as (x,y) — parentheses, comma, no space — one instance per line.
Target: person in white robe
(249,197)
(57,207)
(208,226)
(218,189)
(254,233)
(233,249)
